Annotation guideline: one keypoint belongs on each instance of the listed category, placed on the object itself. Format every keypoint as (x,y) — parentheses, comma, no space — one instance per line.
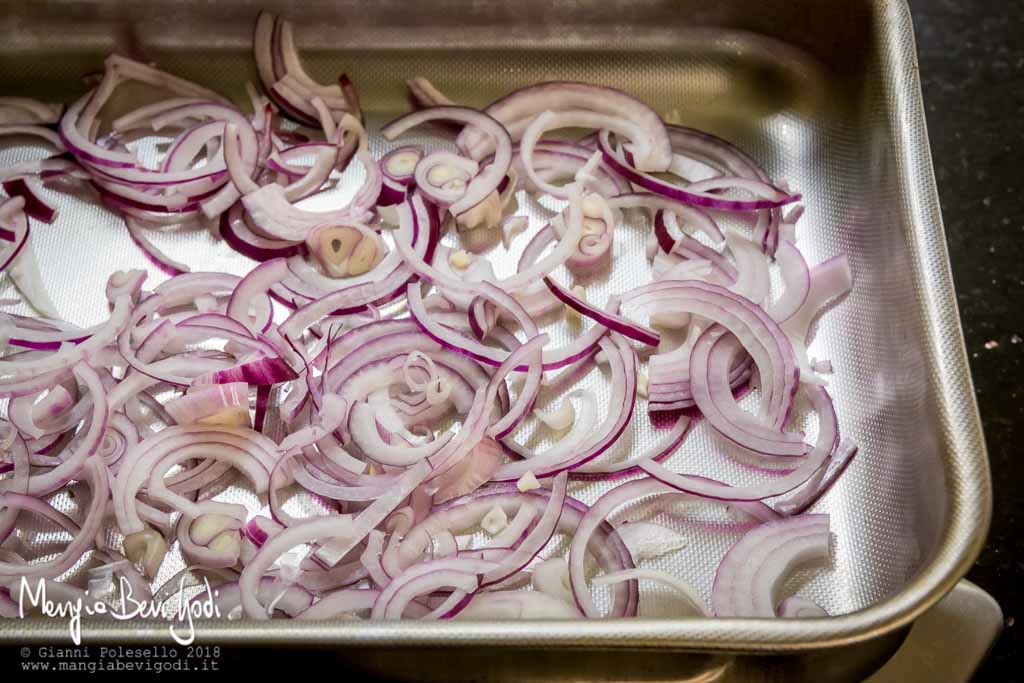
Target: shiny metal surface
(825,95)
(949,641)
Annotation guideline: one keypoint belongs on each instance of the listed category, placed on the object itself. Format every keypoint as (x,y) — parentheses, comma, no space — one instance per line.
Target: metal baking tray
(825,95)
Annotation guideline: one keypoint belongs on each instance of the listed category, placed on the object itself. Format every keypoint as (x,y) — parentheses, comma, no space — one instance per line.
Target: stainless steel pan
(825,94)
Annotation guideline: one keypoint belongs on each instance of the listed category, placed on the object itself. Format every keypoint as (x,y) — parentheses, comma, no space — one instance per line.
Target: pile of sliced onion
(400,426)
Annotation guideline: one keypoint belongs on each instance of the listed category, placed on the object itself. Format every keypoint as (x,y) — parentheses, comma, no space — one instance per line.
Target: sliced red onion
(240,237)
(399,167)
(669,386)
(46,337)
(473,472)
(244,136)
(566,356)
(622,360)
(796,280)
(17,483)
(23,271)
(82,447)
(283,76)
(795,607)
(768,196)
(582,429)
(321,529)
(400,164)
(711,365)
(260,371)
(376,512)
(687,592)
(365,434)
(269,208)
(489,179)
(336,155)
(378,364)
(759,334)
(189,143)
(217,404)
(444,177)
(84,536)
(361,421)
(288,599)
(555,160)
(477,423)
(27,110)
(469,510)
(517,109)
(121,435)
(597,469)
(137,231)
(586,536)
(725,157)
(827,281)
(531,352)
(338,603)
(625,327)
(35,206)
(515,605)
(537,538)
(805,468)
(391,193)
(458,573)
(26,413)
(348,90)
(240,172)
(692,215)
(570,119)
(425,94)
(803,498)
(625,593)
(688,247)
(15,226)
(244,449)
(753,281)
(256,284)
(752,572)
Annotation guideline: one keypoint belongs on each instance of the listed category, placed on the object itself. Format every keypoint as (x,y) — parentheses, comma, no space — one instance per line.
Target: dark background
(971,55)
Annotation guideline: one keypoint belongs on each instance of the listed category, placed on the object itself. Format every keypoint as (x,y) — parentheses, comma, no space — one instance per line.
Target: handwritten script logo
(128,607)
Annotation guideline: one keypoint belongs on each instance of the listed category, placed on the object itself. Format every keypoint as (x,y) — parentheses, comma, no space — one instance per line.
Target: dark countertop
(972,71)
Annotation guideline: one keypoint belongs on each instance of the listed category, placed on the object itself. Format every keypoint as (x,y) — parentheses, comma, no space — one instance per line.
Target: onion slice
(489,179)
(753,569)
